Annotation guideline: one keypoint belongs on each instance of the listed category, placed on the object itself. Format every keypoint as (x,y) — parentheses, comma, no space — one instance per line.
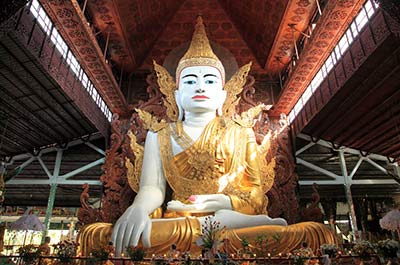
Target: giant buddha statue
(209,159)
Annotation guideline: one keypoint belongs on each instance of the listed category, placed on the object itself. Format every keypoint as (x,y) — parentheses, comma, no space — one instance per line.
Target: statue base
(183,233)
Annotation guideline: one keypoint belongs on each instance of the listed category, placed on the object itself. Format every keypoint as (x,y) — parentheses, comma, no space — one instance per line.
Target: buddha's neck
(198,119)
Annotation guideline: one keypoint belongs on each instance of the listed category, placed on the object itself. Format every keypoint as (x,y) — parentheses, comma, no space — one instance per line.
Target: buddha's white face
(200,89)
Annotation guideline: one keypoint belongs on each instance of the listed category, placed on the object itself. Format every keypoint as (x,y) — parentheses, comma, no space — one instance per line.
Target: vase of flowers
(300,257)
(364,249)
(388,250)
(329,249)
(136,253)
(65,251)
(211,236)
(29,254)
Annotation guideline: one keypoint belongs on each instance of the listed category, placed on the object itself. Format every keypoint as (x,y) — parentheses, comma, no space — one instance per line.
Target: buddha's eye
(210,82)
(190,82)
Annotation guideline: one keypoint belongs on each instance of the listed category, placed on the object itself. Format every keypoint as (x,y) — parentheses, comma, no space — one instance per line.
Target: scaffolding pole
(349,197)
(52,195)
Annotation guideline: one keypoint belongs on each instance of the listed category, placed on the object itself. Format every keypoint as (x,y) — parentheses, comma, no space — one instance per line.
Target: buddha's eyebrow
(207,75)
(189,75)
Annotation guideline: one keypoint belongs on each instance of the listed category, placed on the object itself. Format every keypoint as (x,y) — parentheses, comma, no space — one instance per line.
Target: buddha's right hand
(135,222)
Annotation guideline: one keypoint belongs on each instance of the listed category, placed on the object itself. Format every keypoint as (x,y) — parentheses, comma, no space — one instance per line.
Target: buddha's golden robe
(223,160)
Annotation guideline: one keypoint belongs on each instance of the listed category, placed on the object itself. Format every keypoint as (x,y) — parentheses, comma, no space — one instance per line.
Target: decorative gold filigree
(203,164)
(151,122)
(267,168)
(134,170)
(268,174)
(233,88)
(167,87)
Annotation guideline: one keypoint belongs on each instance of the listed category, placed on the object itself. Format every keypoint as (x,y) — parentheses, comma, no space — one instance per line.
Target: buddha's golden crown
(199,52)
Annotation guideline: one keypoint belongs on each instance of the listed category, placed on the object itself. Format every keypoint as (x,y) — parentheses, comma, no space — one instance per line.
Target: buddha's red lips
(200,97)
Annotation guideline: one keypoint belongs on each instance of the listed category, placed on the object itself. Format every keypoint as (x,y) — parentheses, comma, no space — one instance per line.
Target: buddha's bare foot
(232,219)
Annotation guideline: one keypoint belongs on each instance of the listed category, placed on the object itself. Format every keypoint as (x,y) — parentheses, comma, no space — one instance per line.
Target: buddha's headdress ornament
(200,52)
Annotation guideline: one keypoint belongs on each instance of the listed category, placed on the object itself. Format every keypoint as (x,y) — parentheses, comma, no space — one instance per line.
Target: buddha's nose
(200,90)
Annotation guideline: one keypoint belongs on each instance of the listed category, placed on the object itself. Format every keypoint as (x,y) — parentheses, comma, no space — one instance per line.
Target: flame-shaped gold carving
(151,122)
(233,88)
(248,118)
(167,87)
(267,168)
(134,170)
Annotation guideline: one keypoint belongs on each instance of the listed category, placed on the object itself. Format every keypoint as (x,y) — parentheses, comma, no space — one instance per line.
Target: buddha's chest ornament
(203,164)
(203,158)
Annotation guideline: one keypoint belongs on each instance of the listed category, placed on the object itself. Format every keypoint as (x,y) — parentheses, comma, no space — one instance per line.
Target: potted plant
(364,249)
(103,252)
(329,249)
(65,251)
(29,254)
(388,250)
(136,253)
(300,257)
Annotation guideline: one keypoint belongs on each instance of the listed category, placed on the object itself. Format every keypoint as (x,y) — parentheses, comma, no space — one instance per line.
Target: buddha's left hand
(202,204)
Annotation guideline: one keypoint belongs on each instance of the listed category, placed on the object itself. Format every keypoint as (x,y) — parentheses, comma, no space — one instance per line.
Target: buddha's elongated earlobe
(178,104)
(219,112)
(222,98)
(180,112)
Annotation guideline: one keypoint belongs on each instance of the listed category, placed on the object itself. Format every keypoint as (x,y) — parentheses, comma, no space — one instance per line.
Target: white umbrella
(27,222)
(391,221)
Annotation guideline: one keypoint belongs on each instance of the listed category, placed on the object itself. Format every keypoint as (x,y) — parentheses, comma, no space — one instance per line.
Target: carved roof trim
(72,25)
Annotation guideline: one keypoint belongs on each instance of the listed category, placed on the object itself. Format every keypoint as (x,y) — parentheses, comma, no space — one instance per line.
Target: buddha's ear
(222,99)
(178,104)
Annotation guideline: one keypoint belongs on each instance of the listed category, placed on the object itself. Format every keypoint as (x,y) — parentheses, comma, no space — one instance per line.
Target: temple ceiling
(257,31)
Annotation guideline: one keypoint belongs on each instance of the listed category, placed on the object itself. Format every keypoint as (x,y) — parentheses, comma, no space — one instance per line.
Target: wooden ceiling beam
(38,124)
(379,135)
(351,113)
(387,143)
(29,81)
(353,108)
(396,154)
(21,127)
(371,120)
